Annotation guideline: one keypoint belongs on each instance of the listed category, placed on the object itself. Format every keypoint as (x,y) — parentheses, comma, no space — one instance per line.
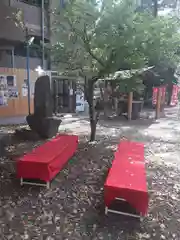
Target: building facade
(35,22)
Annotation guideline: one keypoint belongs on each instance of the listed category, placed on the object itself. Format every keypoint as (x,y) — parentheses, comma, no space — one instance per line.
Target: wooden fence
(17,106)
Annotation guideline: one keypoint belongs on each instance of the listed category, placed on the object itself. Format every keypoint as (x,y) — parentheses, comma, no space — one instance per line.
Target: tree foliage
(162,46)
(96,42)
(95,39)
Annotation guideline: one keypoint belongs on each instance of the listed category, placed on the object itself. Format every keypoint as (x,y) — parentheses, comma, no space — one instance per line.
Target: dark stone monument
(42,121)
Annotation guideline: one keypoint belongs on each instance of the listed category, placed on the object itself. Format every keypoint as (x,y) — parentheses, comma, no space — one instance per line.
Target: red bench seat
(127,177)
(45,161)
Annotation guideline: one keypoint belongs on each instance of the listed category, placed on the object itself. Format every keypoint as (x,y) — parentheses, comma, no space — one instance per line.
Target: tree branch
(84,37)
(88,48)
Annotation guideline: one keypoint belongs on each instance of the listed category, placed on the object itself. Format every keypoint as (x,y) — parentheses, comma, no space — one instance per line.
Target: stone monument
(42,121)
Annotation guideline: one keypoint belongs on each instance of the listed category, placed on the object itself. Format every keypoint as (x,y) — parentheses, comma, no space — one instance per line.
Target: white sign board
(79,101)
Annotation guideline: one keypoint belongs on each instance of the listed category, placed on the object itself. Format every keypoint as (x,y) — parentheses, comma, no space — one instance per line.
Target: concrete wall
(9,30)
(32,16)
(20,62)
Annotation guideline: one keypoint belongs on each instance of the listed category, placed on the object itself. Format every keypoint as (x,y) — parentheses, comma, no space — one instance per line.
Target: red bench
(126,179)
(45,161)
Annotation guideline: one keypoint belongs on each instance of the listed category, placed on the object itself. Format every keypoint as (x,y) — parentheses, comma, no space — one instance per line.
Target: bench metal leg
(21,181)
(47,184)
(106,210)
(119,212)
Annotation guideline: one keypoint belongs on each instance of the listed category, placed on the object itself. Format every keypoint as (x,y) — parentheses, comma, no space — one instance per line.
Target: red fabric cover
(45,161)
(127,177)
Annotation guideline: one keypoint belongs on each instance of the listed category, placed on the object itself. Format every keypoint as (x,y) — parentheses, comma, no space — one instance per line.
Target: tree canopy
(97,38)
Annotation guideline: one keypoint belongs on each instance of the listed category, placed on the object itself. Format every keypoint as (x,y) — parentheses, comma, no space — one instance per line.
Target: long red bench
(45,161)
(126,179)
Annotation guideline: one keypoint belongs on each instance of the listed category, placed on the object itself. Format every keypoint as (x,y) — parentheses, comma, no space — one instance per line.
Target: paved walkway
(12,120)
(22,119)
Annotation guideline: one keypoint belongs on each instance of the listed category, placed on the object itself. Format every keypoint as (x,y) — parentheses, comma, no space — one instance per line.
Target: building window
(35,50)
(37,3)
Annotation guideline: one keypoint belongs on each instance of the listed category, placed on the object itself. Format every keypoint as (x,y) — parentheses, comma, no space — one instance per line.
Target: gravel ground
(74,209)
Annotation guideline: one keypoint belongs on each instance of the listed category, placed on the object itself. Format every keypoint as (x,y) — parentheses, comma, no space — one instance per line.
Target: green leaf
(97,39)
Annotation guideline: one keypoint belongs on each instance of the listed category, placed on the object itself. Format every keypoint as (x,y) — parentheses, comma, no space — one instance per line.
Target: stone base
(27,134)
(45,127)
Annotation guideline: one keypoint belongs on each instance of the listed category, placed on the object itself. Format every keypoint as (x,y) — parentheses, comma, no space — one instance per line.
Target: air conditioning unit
(51,74)
(54,73)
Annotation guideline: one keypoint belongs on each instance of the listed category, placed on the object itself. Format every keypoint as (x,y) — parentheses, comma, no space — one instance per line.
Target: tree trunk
(155,8)
(130,100)
(93,124)
(158,104)
(93,116)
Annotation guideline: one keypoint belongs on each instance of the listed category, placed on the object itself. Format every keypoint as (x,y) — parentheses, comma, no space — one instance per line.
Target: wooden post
(130,99)
(163,100)
(158,104)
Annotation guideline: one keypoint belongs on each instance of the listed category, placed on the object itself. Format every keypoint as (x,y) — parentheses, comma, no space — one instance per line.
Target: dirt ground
(74,207)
